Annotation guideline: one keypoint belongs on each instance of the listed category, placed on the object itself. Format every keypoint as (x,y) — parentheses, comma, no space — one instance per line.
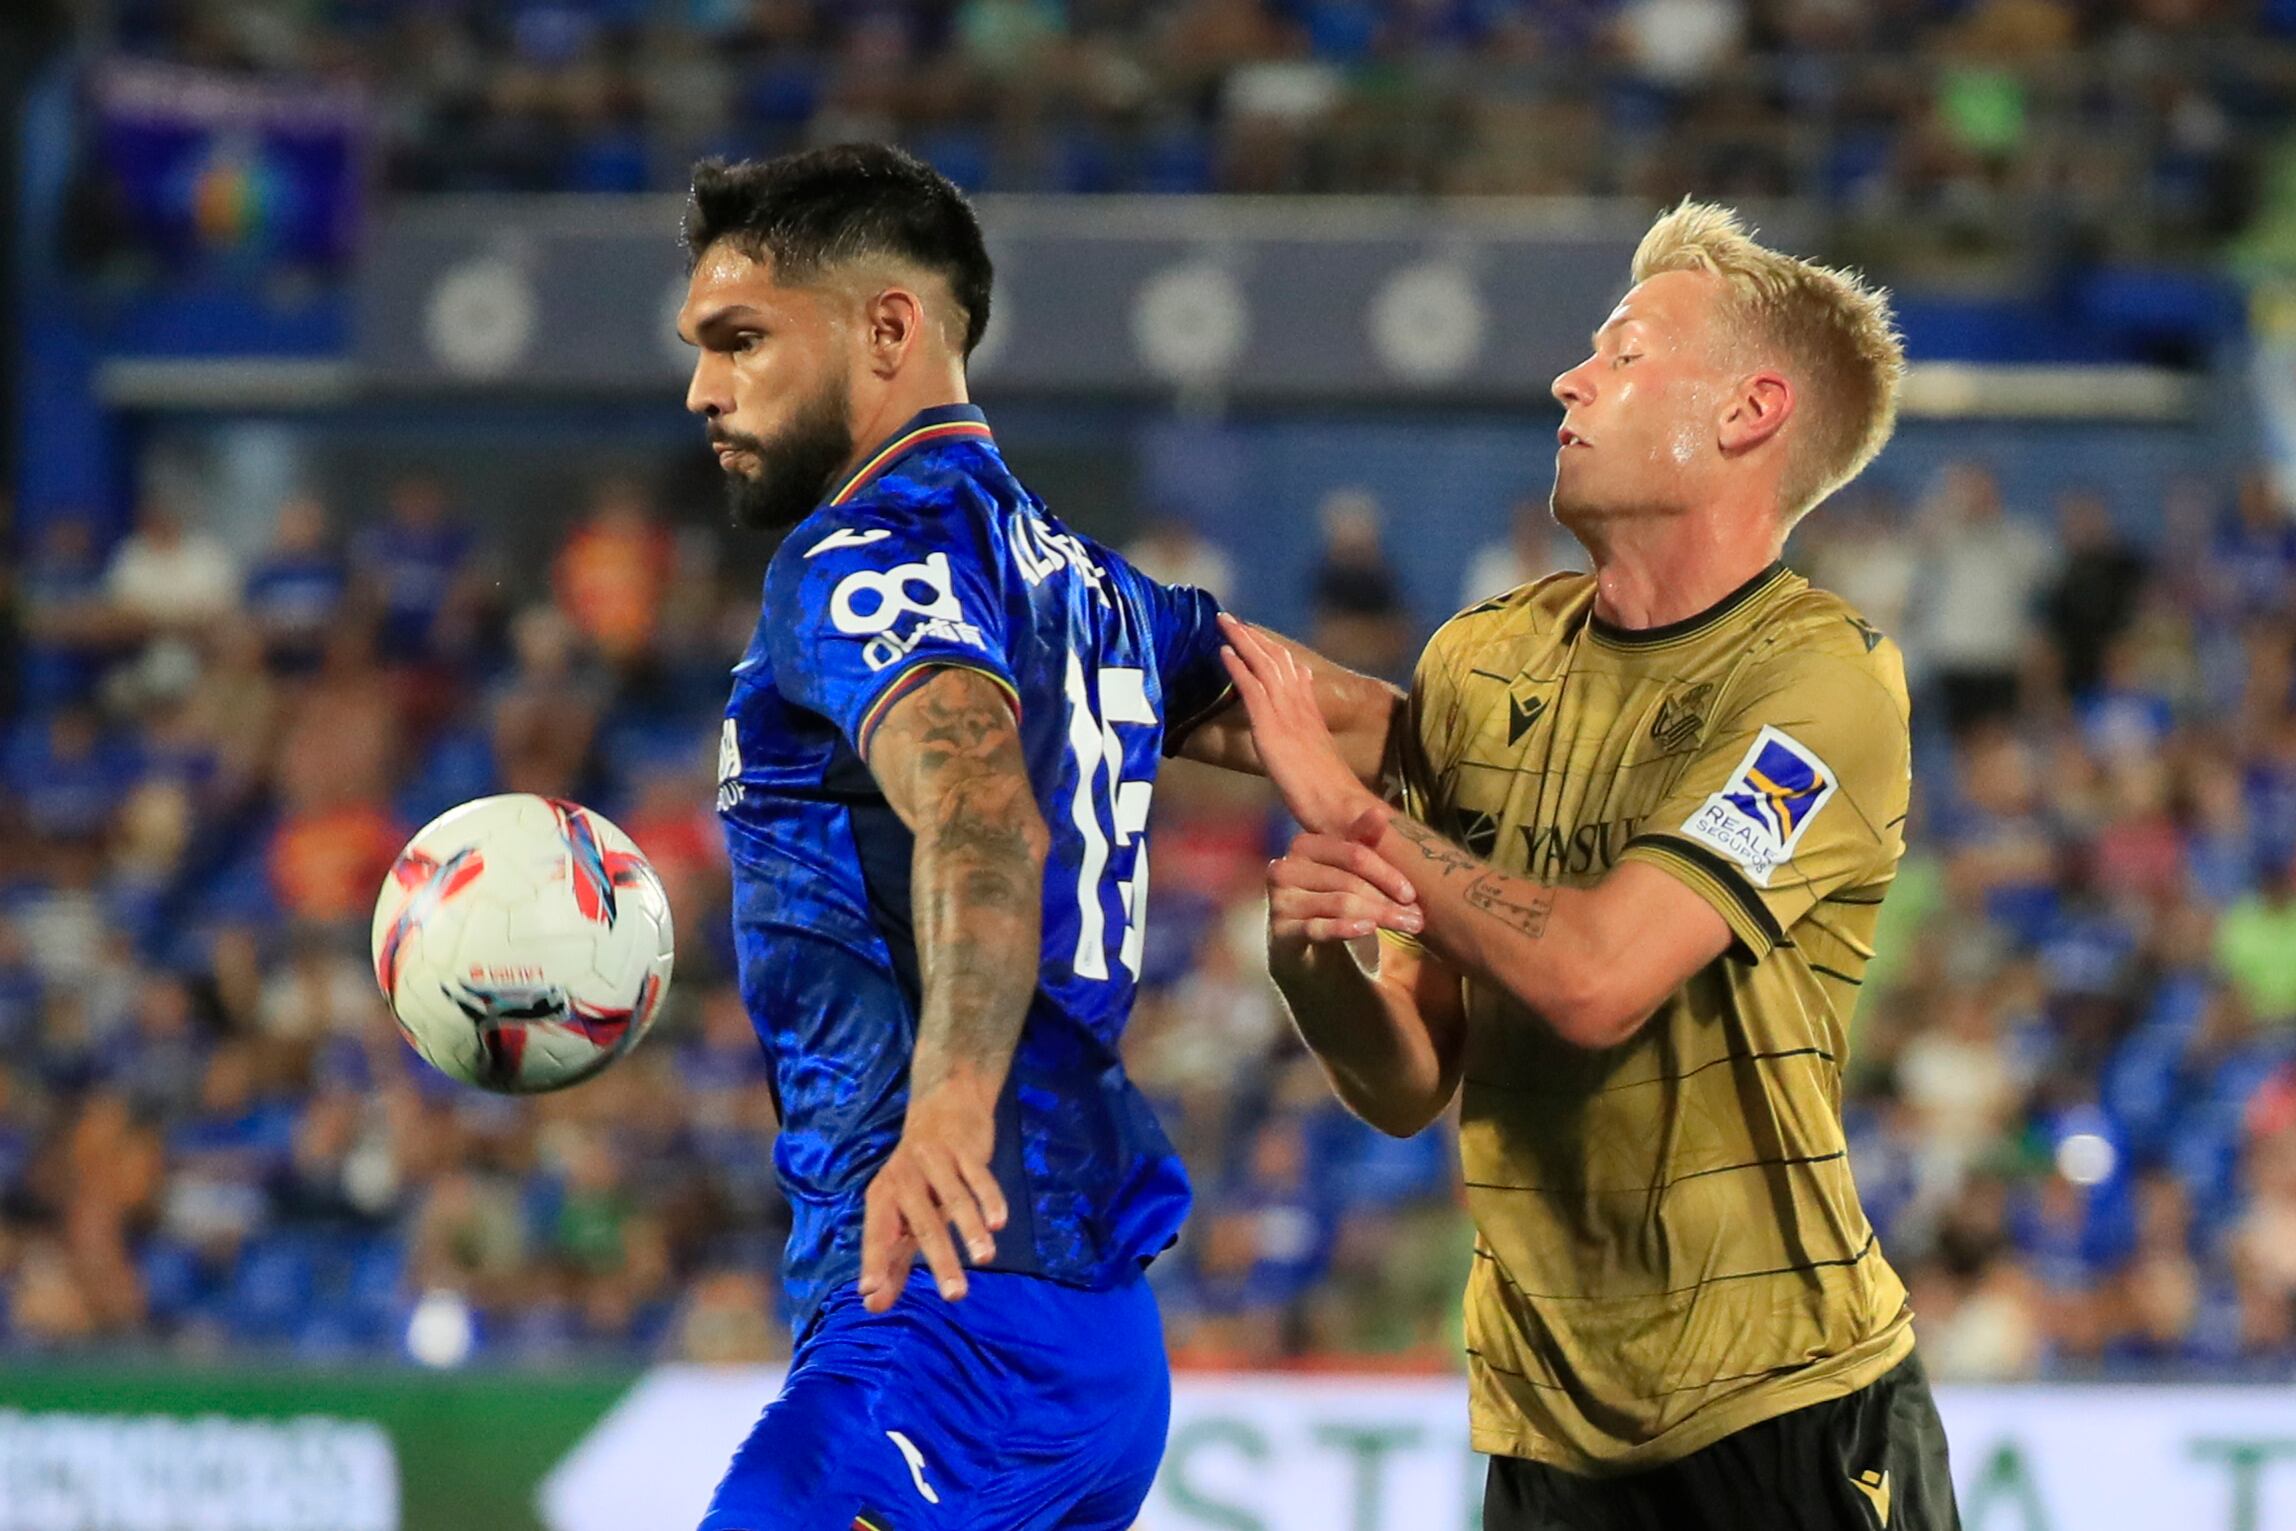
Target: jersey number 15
(1092,724)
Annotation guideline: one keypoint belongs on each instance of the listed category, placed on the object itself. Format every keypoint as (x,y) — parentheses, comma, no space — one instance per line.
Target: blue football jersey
(932,555)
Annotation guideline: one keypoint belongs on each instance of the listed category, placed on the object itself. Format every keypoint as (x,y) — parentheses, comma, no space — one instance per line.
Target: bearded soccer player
(1654,816)
(934,779)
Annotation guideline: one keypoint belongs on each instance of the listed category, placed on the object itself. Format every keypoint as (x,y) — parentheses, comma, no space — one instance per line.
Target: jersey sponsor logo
(868,601)
(1681,718)
(1766,806)
(1560,850)
(728,769)
(848,537)
(1875,1486)
(890,648)
(1869,634)
(916,1460)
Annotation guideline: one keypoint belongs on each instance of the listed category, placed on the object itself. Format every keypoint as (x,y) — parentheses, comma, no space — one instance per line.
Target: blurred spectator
(2094,595)
(60,591)
(546,714)
(469,1239)
(329,858)
(1680,42)
(64,775)
(2256,947)
(168,575)
(344,737)
(611,573)
(2254,556)
(2000,844)
(318,992)
(2159,1290)
(296,590)
(1173,551)
(1860,546)
(416,569)
(1981,1317)
(1974,614)
(726,1320)
(1533,549)
(1359,615)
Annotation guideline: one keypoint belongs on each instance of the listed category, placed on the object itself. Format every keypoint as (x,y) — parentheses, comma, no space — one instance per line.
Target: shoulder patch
(1766,806)
(1869,634)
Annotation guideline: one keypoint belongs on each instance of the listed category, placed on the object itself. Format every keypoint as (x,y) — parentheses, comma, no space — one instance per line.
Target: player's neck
(896,407)
(1651,573)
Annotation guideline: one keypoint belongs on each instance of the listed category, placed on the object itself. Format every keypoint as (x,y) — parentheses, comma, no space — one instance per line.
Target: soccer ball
(522,943)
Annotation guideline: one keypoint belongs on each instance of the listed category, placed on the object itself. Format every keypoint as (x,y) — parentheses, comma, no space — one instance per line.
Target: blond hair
(1826,328)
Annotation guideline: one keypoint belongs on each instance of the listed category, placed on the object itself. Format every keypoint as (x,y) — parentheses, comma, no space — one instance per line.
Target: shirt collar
(1698,622)
(943,422)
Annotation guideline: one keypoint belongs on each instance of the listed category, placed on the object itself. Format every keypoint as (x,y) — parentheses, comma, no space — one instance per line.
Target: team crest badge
(1681,717)
(1765,807)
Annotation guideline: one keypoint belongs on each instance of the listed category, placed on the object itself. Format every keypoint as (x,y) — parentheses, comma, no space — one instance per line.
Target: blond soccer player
(1653,816)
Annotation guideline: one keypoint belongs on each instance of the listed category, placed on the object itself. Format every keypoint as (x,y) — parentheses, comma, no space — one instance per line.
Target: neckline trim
(1649,637)
(943,422)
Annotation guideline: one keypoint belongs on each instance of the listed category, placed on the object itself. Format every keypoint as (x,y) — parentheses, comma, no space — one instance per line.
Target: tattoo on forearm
(1496,896)
(1518,904)
(1448,858)
(950,761)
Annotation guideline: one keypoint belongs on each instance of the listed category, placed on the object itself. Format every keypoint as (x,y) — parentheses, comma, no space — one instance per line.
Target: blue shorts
(1028,1406)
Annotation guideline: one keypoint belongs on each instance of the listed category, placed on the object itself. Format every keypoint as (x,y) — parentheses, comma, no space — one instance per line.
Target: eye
(746,341)
(1624,357)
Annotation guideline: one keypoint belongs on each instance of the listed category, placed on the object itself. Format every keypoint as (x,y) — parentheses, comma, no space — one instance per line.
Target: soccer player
(1656,811)
(934,779)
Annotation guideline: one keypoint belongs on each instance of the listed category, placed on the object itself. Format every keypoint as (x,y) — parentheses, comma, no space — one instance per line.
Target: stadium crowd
(2073,1096)
(1946,128)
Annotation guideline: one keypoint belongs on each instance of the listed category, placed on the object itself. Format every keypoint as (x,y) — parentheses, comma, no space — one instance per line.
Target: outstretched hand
(938,1177)
(1295,748)
(1328,888)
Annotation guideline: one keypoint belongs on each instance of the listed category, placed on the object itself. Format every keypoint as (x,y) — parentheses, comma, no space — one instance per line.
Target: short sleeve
(863,608)
(1799,793)
(1183,625)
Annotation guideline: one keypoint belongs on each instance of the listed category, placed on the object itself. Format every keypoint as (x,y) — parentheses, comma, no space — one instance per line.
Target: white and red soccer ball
(522,943)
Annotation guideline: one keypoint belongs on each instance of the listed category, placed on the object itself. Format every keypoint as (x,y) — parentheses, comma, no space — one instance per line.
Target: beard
(794,464)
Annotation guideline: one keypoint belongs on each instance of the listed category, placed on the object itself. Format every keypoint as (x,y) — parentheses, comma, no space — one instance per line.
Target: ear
(894,323)
(1755,412)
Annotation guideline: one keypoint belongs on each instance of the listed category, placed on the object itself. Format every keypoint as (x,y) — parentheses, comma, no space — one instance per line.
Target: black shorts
(1871,1461)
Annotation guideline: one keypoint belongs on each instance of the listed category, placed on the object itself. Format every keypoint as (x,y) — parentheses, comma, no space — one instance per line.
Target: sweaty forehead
(1671,301)
(727,277)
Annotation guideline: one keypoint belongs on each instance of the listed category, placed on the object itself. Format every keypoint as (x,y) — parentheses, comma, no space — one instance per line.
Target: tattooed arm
(948,759)
(1591,962)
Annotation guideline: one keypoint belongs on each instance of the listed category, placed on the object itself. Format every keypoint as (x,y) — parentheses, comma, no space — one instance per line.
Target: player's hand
(1295,748)
(1336,888)
(938,1178)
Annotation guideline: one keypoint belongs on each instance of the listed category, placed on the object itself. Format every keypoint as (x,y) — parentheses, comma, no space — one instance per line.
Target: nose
(706,393)
(1573,387)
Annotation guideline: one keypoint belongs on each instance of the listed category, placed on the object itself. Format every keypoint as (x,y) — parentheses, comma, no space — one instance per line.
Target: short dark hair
(822,207)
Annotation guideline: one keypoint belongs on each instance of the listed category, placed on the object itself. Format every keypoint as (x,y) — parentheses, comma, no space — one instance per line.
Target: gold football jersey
(1669,1246)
